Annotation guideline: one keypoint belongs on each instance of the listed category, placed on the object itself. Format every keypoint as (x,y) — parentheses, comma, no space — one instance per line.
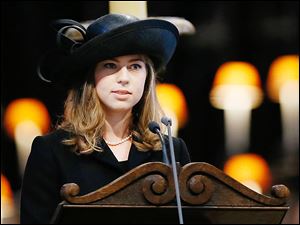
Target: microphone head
(154,127)
(166,121)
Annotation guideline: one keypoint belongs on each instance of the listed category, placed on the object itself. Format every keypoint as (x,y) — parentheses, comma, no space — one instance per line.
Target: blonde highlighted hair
(84,116)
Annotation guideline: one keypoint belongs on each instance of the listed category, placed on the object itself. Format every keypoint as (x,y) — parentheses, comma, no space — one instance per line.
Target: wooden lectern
(146,195)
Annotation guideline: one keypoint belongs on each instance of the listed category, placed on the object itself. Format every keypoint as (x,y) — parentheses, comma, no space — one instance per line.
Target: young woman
(111,77)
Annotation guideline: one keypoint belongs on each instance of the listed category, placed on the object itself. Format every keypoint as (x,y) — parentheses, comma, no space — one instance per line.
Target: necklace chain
(119,142)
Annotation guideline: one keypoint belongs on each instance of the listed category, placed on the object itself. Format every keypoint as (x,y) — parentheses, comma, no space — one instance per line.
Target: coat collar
(107,157)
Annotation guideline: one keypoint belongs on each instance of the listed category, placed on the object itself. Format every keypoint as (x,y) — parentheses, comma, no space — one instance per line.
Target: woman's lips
(121,95)
(122,92)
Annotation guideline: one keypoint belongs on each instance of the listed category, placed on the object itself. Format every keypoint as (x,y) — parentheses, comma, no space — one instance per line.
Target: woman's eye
(135,66)
(110,66)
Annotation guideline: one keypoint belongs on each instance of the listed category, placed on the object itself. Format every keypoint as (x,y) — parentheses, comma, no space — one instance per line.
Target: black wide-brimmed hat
(109,36)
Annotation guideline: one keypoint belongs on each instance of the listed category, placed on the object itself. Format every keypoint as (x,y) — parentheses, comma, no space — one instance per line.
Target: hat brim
(154,38)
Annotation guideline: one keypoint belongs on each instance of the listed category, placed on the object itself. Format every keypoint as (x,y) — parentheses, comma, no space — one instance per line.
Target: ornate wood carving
(154,180)
(201,182)
(153,184)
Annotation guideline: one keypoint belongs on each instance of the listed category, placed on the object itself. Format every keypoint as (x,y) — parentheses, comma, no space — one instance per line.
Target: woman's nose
(123,75)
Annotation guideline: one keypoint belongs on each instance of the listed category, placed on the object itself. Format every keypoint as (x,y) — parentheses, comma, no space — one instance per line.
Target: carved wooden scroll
(153,184)
(202,183)
(147,184)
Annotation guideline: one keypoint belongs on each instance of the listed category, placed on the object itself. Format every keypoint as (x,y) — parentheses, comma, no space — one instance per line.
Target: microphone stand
(165,156)
(155,128)
(168,122)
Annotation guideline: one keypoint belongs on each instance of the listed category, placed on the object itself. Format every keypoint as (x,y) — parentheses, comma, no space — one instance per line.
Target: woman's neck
(117,125)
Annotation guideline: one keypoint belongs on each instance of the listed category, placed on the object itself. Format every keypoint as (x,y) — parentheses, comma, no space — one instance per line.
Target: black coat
(51,164)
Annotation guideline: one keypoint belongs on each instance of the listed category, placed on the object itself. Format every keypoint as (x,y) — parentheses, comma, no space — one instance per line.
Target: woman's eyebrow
(137,59)
(130,60)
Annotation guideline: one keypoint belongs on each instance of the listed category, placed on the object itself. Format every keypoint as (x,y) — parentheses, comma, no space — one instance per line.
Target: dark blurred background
(252,31)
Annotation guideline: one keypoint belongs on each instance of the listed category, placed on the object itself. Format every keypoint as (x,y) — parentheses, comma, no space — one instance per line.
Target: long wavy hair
(84,116)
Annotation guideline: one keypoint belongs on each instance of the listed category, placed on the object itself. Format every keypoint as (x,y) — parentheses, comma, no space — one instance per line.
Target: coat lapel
(135,157)
(106,156)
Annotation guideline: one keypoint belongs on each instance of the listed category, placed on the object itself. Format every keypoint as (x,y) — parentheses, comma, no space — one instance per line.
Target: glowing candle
(236,90)
(250,169)
(174,105)
(289,106)
(283,87)
(24,119)
(134,8)
(8,210)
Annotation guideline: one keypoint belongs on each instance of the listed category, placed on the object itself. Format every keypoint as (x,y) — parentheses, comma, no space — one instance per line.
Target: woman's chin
(121,107)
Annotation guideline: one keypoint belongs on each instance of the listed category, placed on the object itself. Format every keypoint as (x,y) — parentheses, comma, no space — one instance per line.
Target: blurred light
(236,89)
(25,133)
(7,200)
(26,109)
(171,114)
(184,26)
(283,69)
(283,87)
(237,131)
(249,169)
(236,85)
(172,100)
(137,9)
(24,119)
(134,8)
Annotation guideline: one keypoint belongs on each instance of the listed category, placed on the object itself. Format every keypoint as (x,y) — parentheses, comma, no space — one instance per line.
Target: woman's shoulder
(177,141)
(55,135)
(51,143)
(52,140)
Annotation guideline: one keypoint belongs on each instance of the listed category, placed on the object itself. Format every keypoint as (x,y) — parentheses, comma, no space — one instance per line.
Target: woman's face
(120,82)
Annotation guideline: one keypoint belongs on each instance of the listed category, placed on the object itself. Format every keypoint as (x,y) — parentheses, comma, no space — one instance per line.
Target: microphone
(155,128)
(168,122)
